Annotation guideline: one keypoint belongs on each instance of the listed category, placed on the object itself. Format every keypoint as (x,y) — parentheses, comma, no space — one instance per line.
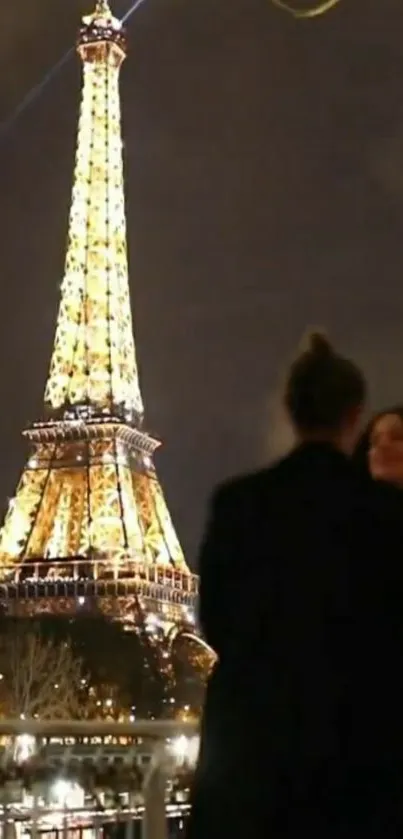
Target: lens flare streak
(305,14)
(36,91)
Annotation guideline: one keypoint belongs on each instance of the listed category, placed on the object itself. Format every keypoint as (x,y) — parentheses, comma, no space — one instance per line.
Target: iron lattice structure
(89,515)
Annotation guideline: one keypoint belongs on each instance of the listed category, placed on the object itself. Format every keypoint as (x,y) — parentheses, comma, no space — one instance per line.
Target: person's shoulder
(381,502)
(384,496)
(243,486)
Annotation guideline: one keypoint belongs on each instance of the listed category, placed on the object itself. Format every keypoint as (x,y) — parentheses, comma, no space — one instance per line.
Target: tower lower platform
(117,584)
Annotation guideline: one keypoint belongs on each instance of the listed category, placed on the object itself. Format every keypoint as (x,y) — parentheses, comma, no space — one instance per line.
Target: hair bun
(318,345)
(322,387)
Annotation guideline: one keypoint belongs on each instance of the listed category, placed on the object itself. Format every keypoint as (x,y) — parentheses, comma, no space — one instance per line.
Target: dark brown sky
(265,192)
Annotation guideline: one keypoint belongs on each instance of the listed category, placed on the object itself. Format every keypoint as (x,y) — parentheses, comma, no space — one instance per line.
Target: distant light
(179,747)
(185,749)
(67,794)
(81,601)
(152,622)
(24,747)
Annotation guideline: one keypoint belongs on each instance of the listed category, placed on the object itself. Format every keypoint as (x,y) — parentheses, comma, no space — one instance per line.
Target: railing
(83,577)
(37,757)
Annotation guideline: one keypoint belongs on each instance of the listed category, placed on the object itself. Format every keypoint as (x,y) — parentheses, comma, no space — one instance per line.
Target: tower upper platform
(101,27)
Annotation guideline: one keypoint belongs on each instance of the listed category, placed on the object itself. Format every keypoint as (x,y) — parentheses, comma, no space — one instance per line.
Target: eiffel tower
(89,522)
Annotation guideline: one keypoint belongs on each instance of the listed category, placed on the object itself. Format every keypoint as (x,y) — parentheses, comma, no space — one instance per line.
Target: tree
(39,677)
(128,670)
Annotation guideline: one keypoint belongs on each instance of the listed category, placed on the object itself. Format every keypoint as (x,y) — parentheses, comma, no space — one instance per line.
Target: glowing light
(67,794)
(152,622)
(313,11)
(24,747)
(94,357)
(179,747)
(185,749)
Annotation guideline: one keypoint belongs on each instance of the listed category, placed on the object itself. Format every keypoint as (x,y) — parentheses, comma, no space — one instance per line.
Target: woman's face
(386,449)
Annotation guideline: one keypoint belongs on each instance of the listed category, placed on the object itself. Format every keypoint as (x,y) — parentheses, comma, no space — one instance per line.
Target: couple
(301,597)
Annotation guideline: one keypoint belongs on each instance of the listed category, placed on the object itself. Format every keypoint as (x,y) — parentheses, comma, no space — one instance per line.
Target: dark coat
(301,575)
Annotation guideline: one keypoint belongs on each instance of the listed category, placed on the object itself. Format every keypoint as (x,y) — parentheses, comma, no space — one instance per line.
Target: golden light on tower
(89,508)
(93,361)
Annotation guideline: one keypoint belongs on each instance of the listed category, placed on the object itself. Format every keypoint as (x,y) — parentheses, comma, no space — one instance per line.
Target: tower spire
(102,11)
(102,8)
(93,366)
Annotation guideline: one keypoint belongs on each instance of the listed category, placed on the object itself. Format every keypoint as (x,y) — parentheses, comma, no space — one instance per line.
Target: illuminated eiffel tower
(89,519)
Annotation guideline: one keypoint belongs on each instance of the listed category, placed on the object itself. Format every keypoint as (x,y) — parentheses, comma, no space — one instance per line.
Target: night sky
(264,163)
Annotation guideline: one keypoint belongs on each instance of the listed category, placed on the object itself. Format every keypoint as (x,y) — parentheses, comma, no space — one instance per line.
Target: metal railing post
(154,824)
(35,814)
(129,828)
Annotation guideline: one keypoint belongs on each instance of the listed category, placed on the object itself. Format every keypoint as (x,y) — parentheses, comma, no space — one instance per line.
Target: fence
(123,769)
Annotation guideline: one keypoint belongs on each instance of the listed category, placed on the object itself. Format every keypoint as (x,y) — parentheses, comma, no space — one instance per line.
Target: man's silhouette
(301,598)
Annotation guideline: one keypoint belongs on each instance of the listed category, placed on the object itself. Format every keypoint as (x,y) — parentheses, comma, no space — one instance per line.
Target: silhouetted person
(302,599)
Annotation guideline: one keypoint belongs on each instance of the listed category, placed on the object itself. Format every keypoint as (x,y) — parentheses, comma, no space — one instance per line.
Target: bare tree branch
(39,678)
